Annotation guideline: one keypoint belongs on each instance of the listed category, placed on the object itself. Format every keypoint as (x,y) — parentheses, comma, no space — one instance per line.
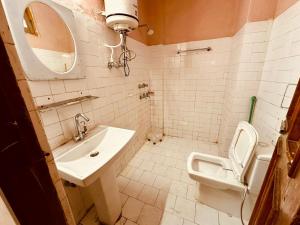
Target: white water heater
(121,15)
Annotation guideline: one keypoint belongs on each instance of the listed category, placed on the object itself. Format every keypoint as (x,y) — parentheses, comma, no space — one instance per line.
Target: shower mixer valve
(143,85)
(146,94)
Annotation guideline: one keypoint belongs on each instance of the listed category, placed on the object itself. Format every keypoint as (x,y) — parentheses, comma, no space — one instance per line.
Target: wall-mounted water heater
(121,15)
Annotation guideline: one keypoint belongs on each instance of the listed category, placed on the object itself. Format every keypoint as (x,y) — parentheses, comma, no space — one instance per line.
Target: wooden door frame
(34,156)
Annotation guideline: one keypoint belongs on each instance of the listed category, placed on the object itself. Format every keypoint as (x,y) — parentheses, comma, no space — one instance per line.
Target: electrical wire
(114,46)
(125,56)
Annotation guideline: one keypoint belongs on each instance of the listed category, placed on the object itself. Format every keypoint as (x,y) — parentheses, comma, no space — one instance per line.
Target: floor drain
(94,154)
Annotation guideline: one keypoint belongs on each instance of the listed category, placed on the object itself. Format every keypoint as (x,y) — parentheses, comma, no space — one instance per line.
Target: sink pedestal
(105,194)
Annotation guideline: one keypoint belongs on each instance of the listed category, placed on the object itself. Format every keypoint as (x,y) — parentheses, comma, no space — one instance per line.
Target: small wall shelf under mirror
(67,102)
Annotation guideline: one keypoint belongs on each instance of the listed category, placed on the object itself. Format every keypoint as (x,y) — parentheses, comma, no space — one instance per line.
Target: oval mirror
(49,37)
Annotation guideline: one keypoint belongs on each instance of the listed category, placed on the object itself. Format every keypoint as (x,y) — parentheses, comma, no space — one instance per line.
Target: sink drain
(94,154)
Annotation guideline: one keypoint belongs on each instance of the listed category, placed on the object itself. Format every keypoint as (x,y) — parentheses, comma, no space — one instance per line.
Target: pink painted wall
(175,21)
(191,20)
(241,15)
(178,21)
(53,34)
(283,5)
(262,10)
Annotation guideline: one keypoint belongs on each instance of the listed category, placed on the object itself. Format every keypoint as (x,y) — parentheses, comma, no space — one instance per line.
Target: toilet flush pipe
(252,107)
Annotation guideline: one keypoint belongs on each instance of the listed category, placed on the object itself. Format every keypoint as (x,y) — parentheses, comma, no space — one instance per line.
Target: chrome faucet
(81,131)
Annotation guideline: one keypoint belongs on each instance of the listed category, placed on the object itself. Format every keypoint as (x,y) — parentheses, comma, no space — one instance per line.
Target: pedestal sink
(88,163)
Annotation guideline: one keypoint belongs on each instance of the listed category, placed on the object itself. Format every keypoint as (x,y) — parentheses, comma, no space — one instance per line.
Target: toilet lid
(242,148)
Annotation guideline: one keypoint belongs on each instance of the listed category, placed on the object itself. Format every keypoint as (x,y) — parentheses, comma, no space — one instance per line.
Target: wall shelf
(67,102)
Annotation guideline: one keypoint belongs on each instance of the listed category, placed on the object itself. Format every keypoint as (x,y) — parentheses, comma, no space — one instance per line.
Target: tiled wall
(118,103)
(189,88)
(282,67)
(198,96)
(246,62)
(265,63)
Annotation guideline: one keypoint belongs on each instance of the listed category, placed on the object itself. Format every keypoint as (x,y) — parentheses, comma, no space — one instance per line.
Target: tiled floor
(156,190)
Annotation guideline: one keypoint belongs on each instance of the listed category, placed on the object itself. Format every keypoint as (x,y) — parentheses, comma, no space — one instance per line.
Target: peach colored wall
(283,5)
(241,15)
(195,20)
(177,21)
(145,10)
(252,11)
(262,10)
(53,34)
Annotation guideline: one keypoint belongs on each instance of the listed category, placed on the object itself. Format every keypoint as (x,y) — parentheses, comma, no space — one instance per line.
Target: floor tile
(160,169)
(161,199)
(123,198)
(91,218)
(181,164)
(128,222)
(147,178)
(122,221)
(133,188)
(148,195)
(184,177)
(170,162)
(228,220)
(150,216)
(144,155)
(185,208)
(127,170)
(171,219)
(162,183)
(170,203)
(178,188)
(173,173)
(135,174)
(158,158)
(155,182)
(122,182)
(132,209)
(146,165)
(187,222)
(206,215)
(135,162)
(192,192)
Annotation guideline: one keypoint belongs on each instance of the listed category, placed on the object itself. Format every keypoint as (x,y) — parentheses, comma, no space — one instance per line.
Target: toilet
(223,181)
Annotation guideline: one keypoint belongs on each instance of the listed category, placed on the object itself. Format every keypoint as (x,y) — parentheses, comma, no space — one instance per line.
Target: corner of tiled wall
(280,74)
(248,52)
(189,88)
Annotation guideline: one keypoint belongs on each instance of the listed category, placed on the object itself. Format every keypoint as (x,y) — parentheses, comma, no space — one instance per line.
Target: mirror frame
(34,69)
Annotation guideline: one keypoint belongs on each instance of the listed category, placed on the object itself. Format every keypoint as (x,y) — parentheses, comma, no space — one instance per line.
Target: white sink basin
(83,162)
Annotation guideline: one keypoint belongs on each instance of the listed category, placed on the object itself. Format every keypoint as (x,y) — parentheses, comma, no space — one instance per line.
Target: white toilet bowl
(222,180)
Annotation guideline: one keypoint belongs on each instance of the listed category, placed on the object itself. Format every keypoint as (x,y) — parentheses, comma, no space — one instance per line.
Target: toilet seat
(226,173)
(213,171)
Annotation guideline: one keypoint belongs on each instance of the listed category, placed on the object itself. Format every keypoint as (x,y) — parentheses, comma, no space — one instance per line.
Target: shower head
(149,30)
